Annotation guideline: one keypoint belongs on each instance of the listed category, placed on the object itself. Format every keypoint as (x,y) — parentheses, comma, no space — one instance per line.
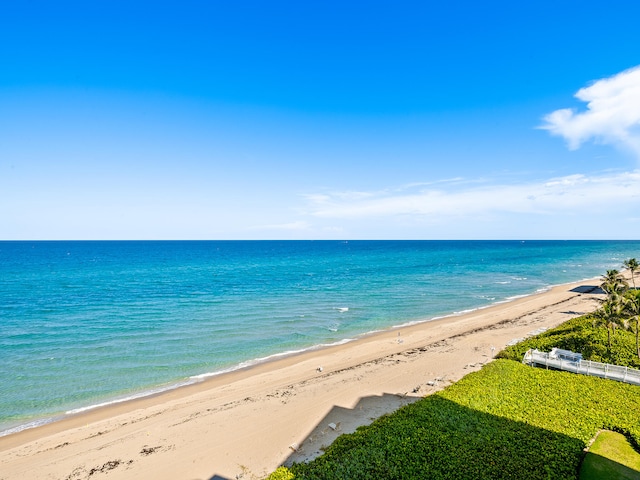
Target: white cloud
(547,197)
(612,115)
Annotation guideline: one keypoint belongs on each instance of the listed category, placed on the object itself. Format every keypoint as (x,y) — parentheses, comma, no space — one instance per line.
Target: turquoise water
(85,323)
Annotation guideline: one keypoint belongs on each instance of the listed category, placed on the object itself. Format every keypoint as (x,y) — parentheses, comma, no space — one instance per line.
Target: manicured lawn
(611,457)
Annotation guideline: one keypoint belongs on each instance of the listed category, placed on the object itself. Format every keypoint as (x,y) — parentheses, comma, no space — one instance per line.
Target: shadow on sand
(342,420)
(339,420)
(595,289)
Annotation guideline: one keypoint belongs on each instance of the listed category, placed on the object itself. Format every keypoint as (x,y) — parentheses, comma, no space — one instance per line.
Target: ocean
(88,323)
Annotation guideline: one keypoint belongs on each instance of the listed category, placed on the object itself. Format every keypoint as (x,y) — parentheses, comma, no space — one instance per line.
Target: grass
(612,457)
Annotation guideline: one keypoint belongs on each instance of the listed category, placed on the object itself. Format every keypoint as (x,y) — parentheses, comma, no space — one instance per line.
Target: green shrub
(281,473)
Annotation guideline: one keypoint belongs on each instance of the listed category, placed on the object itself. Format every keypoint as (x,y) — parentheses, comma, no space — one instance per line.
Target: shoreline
(157,390)
(245,423)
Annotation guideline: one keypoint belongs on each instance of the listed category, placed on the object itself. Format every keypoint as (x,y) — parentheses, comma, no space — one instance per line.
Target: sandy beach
(246,423)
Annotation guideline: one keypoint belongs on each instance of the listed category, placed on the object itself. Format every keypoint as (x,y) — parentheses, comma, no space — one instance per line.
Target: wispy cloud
(457,199)
(612,115)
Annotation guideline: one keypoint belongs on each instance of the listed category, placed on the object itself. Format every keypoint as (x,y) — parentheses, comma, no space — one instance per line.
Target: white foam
(257,361)
(135,396)
(499,302)
(74,411)
(516,297)
(26,426)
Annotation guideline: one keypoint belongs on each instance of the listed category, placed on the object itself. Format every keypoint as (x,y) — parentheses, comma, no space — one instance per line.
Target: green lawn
(611,457)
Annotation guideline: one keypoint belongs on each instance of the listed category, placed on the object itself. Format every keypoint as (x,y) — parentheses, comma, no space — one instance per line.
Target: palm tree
(632,265)
(614,283)
(631,310)
(608,316)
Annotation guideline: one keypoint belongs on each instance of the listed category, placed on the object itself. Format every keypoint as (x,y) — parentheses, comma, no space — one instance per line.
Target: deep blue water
(83,323)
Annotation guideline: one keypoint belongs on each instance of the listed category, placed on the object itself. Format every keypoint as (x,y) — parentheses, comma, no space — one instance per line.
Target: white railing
(583,367)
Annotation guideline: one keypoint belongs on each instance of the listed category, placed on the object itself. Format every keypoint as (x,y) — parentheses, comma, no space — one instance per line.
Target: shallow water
(84,323)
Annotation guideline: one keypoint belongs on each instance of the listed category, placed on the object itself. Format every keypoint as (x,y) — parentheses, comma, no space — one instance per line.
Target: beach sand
(246,423)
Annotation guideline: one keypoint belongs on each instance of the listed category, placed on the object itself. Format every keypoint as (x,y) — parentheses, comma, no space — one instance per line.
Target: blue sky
(319,120)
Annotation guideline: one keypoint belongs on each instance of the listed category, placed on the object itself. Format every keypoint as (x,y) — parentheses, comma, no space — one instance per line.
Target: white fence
(584,367)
